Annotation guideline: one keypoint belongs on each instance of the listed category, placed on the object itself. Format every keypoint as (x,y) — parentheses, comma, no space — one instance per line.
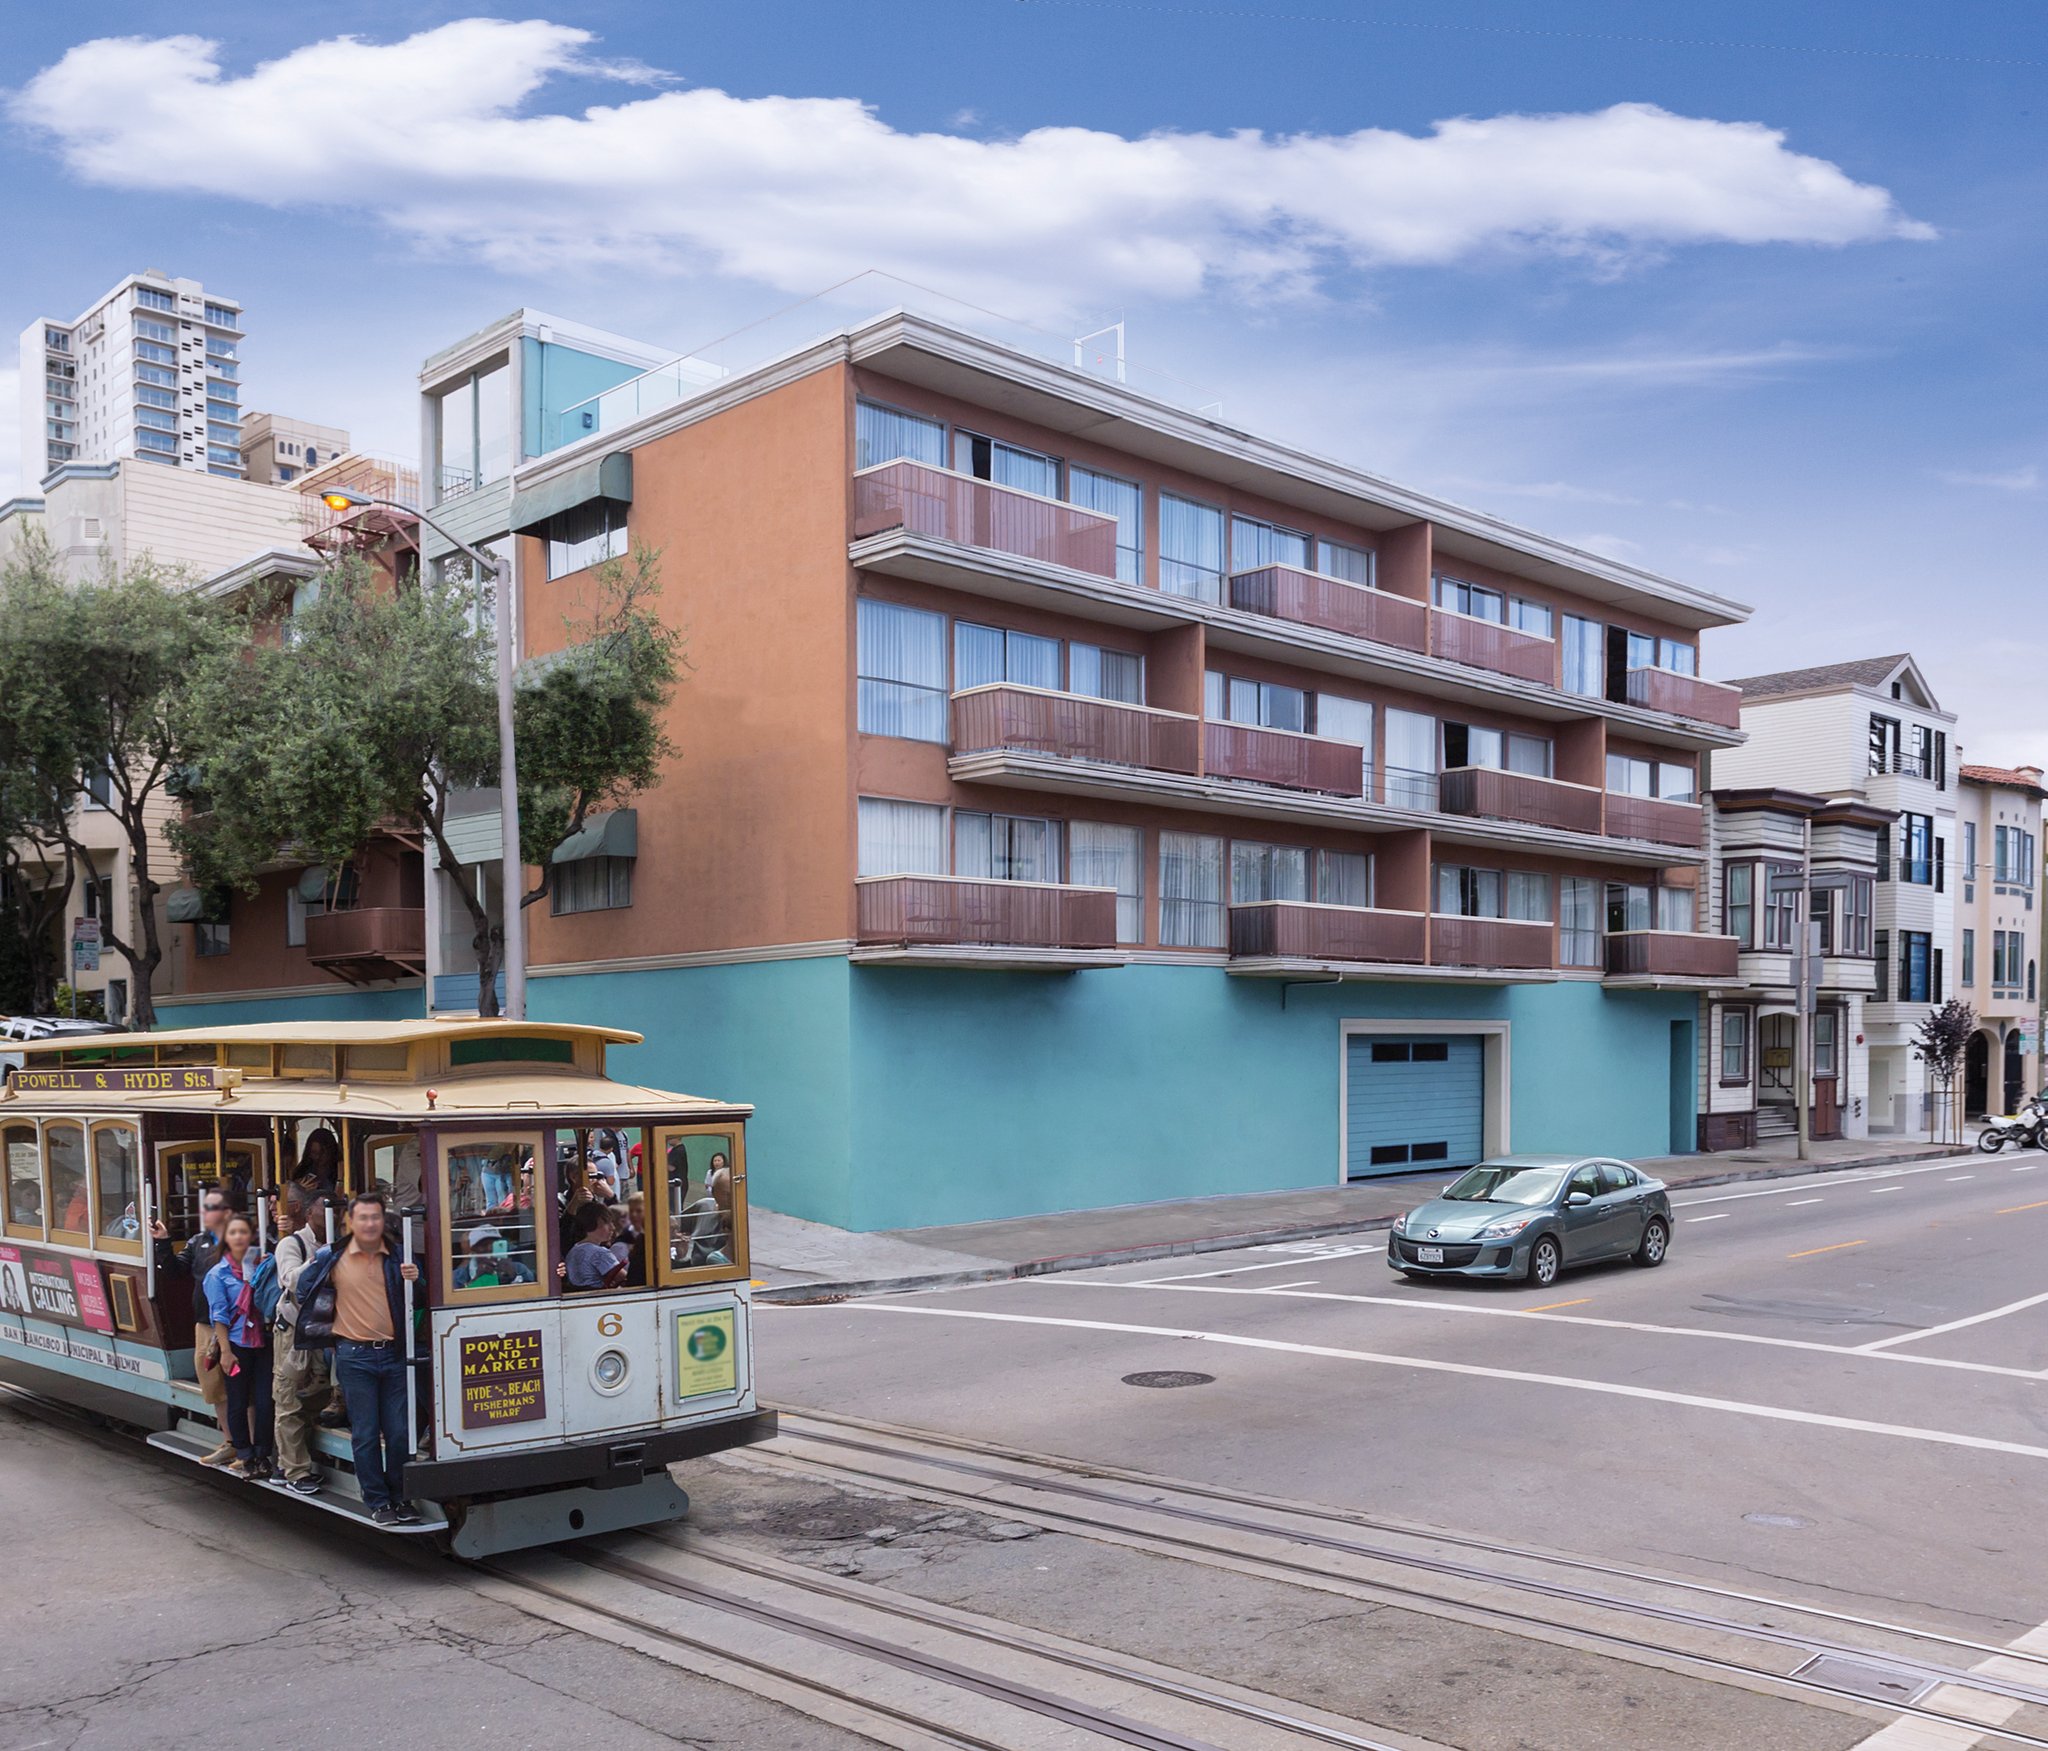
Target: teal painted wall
(345,1004)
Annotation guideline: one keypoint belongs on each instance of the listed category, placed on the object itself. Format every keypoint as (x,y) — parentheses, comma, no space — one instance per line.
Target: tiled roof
(2013,778)
(1865,672)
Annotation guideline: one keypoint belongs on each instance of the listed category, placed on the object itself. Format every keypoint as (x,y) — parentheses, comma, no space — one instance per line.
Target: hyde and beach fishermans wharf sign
(185,1079)
(502,1380)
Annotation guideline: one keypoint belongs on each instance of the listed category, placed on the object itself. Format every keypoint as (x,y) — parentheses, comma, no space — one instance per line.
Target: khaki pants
(301,1381)
(212,1381)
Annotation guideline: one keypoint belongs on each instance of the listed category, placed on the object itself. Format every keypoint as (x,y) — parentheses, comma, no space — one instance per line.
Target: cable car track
(913,1447)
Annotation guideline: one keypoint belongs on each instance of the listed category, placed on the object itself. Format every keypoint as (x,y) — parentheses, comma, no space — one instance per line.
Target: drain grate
(1168,1377)
(1866,1678)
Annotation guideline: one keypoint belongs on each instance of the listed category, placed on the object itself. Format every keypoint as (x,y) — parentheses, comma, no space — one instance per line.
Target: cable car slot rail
(1020,1474)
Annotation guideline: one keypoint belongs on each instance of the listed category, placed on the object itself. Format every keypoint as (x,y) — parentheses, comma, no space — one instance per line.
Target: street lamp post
(512,873)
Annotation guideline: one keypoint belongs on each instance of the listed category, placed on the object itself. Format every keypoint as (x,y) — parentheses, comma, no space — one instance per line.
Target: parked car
(1528,1217)
(16,1028)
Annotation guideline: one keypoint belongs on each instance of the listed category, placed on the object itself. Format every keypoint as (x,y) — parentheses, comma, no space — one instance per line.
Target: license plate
(1430,1255)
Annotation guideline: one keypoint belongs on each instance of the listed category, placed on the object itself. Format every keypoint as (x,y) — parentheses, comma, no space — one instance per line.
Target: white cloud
(442,137)
(2023,479)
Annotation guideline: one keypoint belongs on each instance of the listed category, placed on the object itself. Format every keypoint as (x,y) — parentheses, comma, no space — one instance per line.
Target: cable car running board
(332,1498)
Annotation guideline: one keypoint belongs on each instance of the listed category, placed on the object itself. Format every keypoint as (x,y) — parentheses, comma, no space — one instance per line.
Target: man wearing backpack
(301,1382)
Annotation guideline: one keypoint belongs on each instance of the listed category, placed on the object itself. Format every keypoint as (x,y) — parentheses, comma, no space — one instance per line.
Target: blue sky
(1803,371)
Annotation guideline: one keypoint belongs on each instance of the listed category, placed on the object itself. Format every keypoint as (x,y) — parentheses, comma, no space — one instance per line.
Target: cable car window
(702,1210)
(395,1169)
(376,1063)
(185,1171)
(309,1061)
(185,1055)
(24,1181)
(250,1060)
(68,1196)
(493,1247)
(117,1178)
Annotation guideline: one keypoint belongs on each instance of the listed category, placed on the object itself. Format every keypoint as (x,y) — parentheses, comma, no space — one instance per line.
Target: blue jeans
(497,1186)
(372,1379)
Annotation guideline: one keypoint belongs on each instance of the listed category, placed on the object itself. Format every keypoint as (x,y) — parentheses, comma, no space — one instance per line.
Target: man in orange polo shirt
(369,1357)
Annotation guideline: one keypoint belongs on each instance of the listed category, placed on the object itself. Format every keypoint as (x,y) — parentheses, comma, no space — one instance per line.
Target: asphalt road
(1836,1385)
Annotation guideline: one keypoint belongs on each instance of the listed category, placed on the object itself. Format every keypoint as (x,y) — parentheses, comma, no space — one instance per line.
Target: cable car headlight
(609,1371)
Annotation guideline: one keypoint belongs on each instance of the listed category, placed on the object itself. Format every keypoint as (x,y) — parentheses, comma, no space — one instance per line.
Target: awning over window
(614,835)
(606,477)
(185,906)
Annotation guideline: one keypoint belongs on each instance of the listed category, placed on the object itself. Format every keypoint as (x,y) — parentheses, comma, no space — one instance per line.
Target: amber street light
(512,872)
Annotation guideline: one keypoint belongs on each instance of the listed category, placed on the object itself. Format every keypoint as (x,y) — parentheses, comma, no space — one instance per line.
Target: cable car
(542,1412)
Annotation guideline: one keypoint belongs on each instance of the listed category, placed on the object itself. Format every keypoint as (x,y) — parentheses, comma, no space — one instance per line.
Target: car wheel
(1545,1261)
(1991,1142)
(1656,1242)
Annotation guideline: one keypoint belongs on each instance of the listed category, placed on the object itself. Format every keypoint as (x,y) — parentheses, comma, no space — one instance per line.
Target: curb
(802,1294)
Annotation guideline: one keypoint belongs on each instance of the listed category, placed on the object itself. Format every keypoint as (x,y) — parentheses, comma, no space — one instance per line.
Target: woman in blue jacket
(244,1339)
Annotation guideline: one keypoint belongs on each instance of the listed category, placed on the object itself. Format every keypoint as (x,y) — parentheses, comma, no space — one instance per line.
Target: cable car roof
(333,1033)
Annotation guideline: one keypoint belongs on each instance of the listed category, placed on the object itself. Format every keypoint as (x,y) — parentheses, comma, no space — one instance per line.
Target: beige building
(277,449)
(1998,940)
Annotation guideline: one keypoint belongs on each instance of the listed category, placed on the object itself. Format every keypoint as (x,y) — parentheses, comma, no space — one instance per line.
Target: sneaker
(386,1516)
(309,1485)
(408,1513)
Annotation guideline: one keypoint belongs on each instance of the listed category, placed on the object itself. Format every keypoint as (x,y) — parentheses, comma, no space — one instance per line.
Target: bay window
(1191,909)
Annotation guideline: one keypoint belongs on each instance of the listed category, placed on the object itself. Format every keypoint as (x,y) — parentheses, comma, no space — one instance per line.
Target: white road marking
(1475,1370)
(1796,1202)
(1909,1734)
(1413,1302)
(1805,1181)
(2026,1167)
(1935,1331)
(1276,1288)
(1233,1270)
(1718,1216)
(1958,1180)
(1875,1189)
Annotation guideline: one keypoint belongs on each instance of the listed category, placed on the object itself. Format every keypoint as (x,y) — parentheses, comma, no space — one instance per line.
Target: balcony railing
(1300,930)
(1676,954)
(945,911)
(1710,702)
(1656,819)
(1486,644)
(1282,757)
(1496,795)
(1074,726)
(368,942)
(1311,599)
(1523,944)
(977,513)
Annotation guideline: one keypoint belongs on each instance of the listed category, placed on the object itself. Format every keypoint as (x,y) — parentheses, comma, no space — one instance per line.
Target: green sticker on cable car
(707,1358)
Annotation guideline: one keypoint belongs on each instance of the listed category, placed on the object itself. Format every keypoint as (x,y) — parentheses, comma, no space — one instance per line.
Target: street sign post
(85,945)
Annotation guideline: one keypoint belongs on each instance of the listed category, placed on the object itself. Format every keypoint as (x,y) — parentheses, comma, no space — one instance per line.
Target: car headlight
(1506,1228)
(1401,1223)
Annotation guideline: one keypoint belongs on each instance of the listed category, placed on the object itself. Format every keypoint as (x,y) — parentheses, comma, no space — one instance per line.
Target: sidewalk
(798,1261)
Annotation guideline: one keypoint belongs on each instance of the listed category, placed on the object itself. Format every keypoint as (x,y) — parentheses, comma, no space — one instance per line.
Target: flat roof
(336,1033)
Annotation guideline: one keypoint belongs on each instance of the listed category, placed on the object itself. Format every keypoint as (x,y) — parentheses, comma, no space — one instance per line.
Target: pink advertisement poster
(92,1296)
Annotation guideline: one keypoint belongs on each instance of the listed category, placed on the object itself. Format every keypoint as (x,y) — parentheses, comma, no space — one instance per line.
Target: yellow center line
(1550,1306)
(2015,1209)
(1839,1246)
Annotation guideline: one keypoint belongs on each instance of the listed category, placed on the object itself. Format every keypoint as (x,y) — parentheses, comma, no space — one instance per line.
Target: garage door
(1414,1103)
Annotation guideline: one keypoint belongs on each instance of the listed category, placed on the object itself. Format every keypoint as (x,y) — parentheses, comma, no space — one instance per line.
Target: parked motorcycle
(2025,1129)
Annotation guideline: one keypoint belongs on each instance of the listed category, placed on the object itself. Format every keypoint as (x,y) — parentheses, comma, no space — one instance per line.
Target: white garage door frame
(1493,1074)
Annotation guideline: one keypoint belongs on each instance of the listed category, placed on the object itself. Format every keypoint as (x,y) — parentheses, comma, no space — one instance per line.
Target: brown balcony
(368,942)
(1669,954)
(1495,795)
(1518,943)
(924,500)
(1654,819)
(1282,757)
(1297,930)
(1486,644)
(1311,599)
(1710,702)
(1074,726)
(949,911)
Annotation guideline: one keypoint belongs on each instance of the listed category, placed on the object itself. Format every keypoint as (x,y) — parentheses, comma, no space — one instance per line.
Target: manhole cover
(1168,1377)
(1866,1678)
(1791,1520)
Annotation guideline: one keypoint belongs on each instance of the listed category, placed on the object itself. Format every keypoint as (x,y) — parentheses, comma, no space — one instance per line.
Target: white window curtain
(1531,617)
(1629,906)
(1267,872)
(1628,776)
(1106,674)
(1467,892)
(1344,878)
(1123,500)
(1675,909)
(1411,759)
(882,434)
(1339,559)
(902,658)
(1585,657)
(1529,754)
(1347,720)
(1528,895)
(898,838)
(1191,913)
(1006,464)
(1675,782)
(1254,544)
(1678,657)
(1578,917)
(1190,549)
(986,654)
(1006,848)
(1100,855)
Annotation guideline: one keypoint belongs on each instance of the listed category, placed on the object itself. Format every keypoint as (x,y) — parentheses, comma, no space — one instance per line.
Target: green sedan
(1528,1217)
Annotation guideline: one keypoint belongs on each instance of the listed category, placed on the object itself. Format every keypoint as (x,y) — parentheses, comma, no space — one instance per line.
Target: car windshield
(1495,1183)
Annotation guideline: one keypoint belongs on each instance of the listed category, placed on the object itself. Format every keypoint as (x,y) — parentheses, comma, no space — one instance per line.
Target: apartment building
(277,449)
(1081,801)
(1998,932)
(1872,731)
(1766,844)
(151,371)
